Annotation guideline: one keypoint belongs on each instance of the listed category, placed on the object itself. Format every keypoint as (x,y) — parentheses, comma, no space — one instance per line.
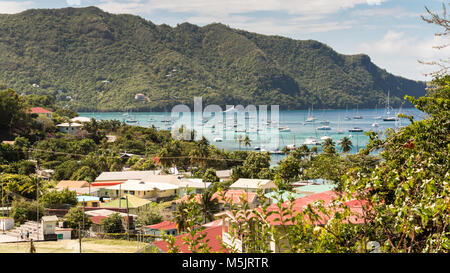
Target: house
(234,197)
(252,185)
(314,188)
(195,185)
(88,201)
(275,220)
(49,227)
(142,189)
(97,223)
(69,128)
(71,184)
(46,174)
(80,187)
(41,112)
(224,174)
(169,228)
(135,204)
(115,178)
(107,212)
(139,96)
(212,238)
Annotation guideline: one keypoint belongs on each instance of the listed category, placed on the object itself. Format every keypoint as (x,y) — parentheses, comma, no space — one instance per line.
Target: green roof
(315,188)
(133,202)
(285,195)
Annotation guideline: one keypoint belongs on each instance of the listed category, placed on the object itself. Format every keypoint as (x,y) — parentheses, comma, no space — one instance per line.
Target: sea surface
(275,132)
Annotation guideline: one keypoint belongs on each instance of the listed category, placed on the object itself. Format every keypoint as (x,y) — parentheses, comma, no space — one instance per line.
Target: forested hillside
(91,60)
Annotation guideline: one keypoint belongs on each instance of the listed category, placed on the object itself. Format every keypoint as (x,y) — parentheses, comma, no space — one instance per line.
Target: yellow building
(142,189)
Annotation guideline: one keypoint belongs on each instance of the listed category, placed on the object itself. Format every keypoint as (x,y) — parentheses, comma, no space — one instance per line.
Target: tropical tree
(75,218)
(208,206)
(247,142)
(113,224)
(346,144)
(328,146)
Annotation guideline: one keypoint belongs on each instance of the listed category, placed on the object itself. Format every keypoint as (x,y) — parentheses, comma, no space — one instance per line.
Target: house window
(125,192)
(132,192)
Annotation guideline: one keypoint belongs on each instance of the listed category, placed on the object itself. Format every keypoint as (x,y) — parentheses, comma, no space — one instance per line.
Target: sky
(391,32)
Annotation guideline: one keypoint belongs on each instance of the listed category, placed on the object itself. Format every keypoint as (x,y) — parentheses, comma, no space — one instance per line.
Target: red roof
(213,234)
(39,110)
(166,225)
(328,196)
(97,219)
(105,184)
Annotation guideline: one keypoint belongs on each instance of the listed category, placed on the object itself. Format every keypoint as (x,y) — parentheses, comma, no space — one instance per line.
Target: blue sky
(391,32)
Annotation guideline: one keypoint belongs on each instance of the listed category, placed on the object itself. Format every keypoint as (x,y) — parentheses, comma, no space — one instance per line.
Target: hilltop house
(41,112)
(69,128)
(139,96)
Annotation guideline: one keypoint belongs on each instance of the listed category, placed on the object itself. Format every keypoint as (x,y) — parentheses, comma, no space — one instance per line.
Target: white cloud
(73,2)
(10,7)
(220,8)
(396,12)
(399,53)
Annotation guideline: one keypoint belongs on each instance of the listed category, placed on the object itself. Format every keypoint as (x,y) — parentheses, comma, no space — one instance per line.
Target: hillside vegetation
(91,60)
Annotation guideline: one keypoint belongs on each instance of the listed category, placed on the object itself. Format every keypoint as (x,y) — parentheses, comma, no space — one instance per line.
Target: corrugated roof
(39,110)
(126,175)
(138,185)
(166,225)
(250,183)
(133,202)
(315,188)
(71,184)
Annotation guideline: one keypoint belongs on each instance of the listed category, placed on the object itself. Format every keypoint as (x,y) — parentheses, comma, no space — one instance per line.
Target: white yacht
(324,128)
(311,141)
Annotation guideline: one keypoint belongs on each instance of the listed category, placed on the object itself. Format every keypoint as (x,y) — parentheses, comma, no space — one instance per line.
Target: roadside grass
(89,245)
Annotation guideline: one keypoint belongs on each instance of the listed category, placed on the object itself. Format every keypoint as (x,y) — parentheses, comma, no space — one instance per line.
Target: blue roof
(284,195)
(85,198)
(316,188)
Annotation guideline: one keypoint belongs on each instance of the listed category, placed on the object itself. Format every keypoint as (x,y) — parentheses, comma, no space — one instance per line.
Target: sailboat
(346,113)
(388,111)
(339,130)
(311,117)
(131,119)
(376,113)
(357,114)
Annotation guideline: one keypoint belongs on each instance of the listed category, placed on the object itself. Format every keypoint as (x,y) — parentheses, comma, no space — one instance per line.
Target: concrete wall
(6,223)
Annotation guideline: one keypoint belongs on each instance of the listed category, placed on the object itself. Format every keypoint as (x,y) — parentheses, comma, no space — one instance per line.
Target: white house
(69,128)
(252,185)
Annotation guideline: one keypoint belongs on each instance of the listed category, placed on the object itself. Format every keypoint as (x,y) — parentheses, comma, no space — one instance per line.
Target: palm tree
(346,144)
(208,206)
(240,139)
(247,142)
(328,146)
(180,218)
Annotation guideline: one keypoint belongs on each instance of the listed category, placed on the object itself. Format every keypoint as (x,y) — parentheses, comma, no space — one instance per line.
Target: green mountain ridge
(92,60)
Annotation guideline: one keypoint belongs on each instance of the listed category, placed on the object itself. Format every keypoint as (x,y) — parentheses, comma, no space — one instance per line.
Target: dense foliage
(88,59)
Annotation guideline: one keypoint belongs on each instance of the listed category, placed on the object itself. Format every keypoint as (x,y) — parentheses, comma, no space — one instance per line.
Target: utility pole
(79,234)
(37,206)
(128,221)
(3,214)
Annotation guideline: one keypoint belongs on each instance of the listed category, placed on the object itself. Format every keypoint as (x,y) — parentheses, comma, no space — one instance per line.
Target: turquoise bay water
(270,137)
